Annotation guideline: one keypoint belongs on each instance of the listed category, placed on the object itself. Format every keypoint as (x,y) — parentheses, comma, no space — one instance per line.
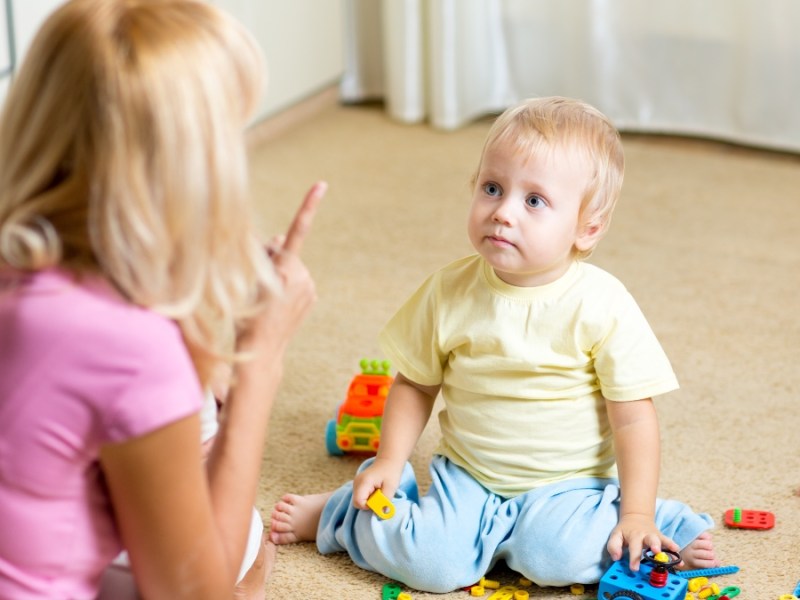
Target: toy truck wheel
(330,439)
(625,594)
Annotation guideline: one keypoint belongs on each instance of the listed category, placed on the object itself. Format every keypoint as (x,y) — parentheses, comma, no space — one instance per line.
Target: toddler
(549,457)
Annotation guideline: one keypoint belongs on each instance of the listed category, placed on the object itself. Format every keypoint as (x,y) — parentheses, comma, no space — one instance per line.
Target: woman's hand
(284,311)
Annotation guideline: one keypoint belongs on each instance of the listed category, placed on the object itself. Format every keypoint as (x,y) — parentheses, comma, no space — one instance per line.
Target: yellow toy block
(381,505)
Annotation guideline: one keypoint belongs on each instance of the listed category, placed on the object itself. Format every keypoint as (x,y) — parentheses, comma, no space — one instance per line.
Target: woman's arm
(634,426)
(184,524)
(407,410)
(159,491)
(234,464)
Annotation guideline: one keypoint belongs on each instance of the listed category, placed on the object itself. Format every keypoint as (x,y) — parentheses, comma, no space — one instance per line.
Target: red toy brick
(749,519)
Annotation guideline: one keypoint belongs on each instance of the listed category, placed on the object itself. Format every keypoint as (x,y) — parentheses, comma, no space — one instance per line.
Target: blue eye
(534,201)
(492,189)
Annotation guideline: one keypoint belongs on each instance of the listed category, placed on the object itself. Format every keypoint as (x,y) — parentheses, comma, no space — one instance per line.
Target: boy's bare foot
(295,518)
(699,554)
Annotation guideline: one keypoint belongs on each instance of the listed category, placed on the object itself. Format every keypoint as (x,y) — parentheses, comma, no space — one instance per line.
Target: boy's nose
(503,212)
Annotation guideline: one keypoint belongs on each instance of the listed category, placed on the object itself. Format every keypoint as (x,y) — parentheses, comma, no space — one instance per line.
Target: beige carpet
(706,238)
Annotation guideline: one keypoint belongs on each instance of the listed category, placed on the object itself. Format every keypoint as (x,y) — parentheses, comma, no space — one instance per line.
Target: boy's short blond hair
(553,123)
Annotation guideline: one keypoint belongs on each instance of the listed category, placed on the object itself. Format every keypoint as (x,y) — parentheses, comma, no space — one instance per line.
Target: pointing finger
(301,224)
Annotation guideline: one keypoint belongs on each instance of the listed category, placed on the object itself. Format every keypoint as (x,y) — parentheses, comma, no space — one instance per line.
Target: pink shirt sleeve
(162,387)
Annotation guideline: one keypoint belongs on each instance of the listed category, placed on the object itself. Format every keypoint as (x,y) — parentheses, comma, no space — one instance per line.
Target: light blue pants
(451,537)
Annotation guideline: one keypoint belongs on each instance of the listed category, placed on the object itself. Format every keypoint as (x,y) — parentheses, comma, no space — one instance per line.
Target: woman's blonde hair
(549,123)
(122,152)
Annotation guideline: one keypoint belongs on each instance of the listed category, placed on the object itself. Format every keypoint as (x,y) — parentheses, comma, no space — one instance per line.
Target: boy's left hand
(637,532)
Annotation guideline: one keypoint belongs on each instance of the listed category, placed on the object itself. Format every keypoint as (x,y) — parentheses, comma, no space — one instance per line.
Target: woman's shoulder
(88,310)
(128,364)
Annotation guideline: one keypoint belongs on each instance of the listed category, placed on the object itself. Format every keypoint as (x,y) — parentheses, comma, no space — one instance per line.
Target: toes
(282,538)
(280,526)
(281,513)
(290,499)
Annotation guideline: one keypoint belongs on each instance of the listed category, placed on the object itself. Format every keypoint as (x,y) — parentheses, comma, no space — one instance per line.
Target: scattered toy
(381,505)
(749,519)
(653,581)
(357,426)
(713,572)
(393,591)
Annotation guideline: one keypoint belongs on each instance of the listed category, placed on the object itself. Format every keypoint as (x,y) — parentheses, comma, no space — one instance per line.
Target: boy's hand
(637,532)
(380,475)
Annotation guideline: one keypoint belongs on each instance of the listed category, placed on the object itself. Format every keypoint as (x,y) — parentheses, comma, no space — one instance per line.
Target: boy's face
(524,214)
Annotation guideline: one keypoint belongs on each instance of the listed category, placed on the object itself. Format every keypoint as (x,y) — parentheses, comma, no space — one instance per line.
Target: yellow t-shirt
(524,370)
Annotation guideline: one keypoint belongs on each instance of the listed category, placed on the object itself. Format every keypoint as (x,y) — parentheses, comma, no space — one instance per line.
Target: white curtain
(725,69)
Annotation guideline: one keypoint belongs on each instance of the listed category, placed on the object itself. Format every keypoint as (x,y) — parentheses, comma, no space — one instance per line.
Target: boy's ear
(589,234)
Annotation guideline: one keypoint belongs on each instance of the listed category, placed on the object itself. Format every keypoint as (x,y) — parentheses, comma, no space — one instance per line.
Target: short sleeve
(629,360)
(410,339)
(163,387)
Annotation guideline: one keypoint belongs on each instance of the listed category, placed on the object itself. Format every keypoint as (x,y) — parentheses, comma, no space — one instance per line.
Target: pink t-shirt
(79,368)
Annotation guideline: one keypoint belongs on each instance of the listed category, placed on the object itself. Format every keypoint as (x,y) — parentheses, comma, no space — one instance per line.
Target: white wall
(26,18)
(5,58)
(303,43)
(302,39)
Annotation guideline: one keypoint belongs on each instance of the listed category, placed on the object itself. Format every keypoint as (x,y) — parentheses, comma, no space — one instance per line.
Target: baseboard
(273,126)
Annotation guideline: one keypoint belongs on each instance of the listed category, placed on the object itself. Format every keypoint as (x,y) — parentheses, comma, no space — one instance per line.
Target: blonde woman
(128,263)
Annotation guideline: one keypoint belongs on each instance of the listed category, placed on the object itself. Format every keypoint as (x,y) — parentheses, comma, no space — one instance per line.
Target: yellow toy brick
(381,505)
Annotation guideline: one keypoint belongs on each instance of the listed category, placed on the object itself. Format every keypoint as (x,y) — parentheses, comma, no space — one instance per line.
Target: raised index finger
(301,224)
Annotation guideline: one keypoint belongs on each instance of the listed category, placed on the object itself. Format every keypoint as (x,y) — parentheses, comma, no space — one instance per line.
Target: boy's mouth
(499,241)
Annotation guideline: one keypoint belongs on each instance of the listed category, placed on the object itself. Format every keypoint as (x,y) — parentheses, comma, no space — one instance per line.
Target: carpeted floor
(706,238)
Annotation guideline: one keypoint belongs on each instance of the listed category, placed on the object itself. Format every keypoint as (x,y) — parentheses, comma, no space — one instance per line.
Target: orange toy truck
(357,426)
